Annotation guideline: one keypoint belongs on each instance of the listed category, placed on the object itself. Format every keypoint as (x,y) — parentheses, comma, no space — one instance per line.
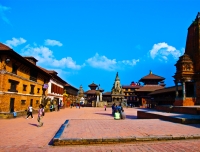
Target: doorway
(12,102)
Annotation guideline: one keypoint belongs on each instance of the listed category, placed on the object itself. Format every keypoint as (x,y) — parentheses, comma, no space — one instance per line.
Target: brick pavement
(20,134)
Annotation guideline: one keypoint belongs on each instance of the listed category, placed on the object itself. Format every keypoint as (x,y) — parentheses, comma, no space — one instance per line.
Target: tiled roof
(152,76)
(107,93)
(69,85)
(93,85)
(91,92)
(131,87)
(149,88)
(165,90)
(4,47)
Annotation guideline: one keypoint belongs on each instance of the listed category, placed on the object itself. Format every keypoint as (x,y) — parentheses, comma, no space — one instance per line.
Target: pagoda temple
(151,82)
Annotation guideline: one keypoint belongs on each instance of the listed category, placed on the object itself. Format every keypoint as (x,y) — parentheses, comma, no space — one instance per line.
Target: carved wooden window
(24,87)
(13,85)
(14,68)
(32,89)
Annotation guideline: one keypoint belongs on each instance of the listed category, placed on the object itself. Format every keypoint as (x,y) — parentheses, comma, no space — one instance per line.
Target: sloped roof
(149,88)
(165,90)
(93,85)
(91,92)
(69,85)
(131,87)
(107,93)
(152,76)
(4,47)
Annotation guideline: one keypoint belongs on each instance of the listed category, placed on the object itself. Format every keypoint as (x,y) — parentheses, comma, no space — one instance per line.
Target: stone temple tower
(188,68)
(117,93)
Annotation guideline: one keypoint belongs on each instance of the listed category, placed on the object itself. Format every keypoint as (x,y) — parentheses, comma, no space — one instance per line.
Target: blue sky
(91,40)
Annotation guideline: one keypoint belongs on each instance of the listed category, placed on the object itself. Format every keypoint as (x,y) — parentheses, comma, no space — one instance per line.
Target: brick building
(21,82)
(188,68)
(130,93)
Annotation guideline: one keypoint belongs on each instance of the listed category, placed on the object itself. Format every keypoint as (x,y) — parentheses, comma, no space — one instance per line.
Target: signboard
(45,86)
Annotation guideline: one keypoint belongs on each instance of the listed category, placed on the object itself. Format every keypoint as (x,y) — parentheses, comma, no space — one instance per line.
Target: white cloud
(105,63)
(45,56)
(15,42)
(130,62)
(163,50)
(52,42)
(2,13)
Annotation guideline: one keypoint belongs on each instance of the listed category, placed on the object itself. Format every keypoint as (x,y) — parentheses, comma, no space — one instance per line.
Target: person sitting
(113,109)
(51,107)
(123,115)
(117,115)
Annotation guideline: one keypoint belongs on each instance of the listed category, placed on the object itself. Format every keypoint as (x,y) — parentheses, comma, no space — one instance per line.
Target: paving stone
(20,134)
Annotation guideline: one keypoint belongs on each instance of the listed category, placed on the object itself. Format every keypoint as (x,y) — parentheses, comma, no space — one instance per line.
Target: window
(32,89)
(38,90)
(23,102)
(14,68)
(37,101)
(33,75)
(24,87)
(13,85)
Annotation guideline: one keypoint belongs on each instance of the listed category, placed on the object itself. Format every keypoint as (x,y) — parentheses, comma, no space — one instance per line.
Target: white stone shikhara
(82,100)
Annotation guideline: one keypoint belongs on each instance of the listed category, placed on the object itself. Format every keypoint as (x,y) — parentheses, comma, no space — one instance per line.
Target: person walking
(105,107)
(30,112)
(40,115)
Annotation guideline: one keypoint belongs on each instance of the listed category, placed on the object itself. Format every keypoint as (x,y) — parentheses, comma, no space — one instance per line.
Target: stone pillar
(183,87)
(97,98)
(194,89)
(100,96)
(176,89)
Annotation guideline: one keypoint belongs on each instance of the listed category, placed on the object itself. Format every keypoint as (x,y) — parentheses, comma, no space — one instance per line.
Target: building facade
(130,93)
(22,82)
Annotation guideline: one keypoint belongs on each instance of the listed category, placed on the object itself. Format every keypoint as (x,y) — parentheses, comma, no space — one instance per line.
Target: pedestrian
(58,105)
(55,107)
(113,109)
(40,115)
(30,112)
(51,107)
(79,105)
(105,107)
(123,115)
(71,105)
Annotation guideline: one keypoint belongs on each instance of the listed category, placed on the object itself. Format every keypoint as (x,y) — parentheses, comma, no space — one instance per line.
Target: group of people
(40,114)
(118,112)
(55,107)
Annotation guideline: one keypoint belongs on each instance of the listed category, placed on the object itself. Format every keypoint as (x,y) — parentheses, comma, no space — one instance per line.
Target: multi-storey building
(130,93)
(22,82)
(71,93)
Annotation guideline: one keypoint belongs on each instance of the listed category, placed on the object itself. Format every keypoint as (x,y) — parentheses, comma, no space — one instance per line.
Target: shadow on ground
(33,124)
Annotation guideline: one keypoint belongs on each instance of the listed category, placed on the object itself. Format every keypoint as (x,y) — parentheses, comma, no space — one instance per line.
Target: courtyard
(20,134)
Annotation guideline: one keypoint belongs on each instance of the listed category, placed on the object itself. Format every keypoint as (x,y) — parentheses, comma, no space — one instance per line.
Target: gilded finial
(150,72)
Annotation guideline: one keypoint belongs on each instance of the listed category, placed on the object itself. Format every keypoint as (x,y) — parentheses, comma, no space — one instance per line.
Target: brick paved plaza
(20,134)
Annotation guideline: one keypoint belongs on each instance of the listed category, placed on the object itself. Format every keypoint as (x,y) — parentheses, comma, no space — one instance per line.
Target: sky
(88,41)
